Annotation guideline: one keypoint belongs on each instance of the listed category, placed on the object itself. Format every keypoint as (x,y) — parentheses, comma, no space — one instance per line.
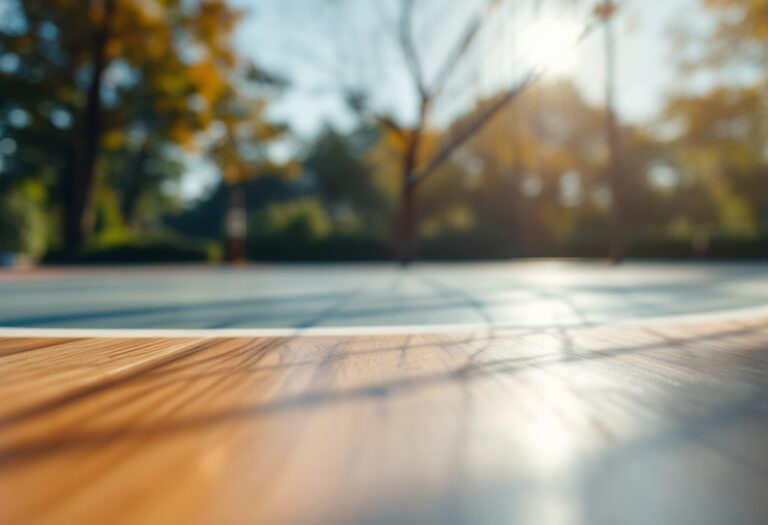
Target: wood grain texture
(601,425)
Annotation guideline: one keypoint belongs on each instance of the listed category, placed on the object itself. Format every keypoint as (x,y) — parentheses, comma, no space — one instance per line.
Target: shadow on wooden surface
(598,425)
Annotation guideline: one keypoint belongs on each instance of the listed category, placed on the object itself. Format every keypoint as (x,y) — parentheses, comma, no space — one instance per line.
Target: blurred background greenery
(103,106)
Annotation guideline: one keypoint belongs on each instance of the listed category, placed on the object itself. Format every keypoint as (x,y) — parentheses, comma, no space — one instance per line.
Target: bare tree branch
(408,47)
(471,31)
(473,128)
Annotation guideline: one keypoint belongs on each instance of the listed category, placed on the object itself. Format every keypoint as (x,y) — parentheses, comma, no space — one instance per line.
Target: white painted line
(250,332)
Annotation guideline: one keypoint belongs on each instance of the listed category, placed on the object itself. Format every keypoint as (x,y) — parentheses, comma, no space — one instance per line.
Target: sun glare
(550,43)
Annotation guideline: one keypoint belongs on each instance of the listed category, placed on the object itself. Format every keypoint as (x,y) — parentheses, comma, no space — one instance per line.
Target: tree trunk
(616,226)
(236,225)
(407,231)
(70,221)
(408,243)
(407,238)
(78,219)
(135,188)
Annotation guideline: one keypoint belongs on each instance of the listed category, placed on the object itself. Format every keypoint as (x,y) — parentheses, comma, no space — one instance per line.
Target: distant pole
(237,216)
(236,225)
(605,11)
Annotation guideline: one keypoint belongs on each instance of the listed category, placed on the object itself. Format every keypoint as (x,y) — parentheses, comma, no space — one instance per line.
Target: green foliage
(340,178)
(302,229)
(720,154)
(22,224)
(206,218)
(171,72)
(334,247)
(133,249)
(663,246)
(299,221)
(175,82)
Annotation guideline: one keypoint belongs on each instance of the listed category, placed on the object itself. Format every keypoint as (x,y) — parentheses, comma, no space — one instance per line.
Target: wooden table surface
(646,424)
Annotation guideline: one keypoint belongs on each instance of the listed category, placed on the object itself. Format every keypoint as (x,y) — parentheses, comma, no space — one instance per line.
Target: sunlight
(550,43)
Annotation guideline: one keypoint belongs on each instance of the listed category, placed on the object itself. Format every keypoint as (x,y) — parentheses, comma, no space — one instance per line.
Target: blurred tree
(721,147)
(206,217)
(238,145)
(22,223)
(419,154)
(741,33)
(297,222)
(534,174)
(113,86)
(719,136)
(342,180)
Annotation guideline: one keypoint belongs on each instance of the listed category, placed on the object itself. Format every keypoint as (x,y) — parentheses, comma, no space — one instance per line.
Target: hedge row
(465,246)
(159,249)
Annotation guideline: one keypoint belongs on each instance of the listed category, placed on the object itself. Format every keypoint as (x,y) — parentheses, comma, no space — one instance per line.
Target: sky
(294,38)
(319,51)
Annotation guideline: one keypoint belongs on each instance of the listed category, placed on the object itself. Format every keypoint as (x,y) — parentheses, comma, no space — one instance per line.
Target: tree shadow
(445,302)
(244,359)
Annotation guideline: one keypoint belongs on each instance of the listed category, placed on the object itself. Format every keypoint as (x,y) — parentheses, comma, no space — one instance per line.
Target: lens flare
(550,44)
